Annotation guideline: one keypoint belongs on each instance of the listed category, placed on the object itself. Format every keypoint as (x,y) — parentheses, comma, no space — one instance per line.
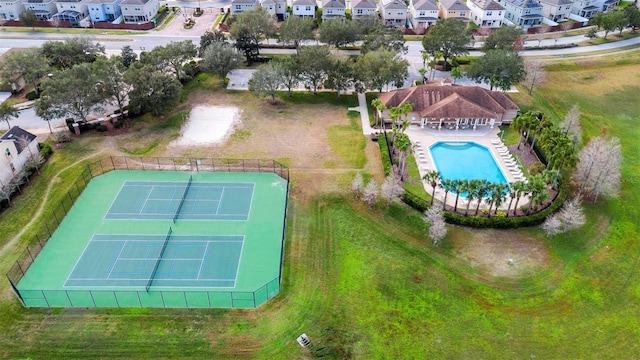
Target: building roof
(101,1)
(425,5)
(453,5)
(134,2)
(363,4)
(333,4)
(304,2)
(68,1)
(434,100)
(393,4)
(15,134)
(248,2)
(491,5)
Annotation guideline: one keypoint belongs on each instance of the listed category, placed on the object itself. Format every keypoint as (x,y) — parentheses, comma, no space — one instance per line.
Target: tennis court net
(155,267)
(184,196)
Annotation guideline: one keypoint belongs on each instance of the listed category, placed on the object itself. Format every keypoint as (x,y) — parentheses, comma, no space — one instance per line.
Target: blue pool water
(465,161)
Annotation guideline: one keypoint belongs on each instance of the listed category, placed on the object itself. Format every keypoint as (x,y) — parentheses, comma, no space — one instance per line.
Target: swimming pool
(466,161)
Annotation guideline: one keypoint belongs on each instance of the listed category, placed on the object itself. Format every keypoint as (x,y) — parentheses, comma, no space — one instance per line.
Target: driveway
(203,23)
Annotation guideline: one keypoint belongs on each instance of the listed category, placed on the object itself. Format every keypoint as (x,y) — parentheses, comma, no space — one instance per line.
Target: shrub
(536,168)
(101,128)
(45,150)
(117,124)
(386,161)
(61,137)
(31,95)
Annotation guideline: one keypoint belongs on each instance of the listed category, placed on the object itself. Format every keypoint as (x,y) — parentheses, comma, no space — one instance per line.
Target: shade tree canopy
(152,91)
(448,37)
(219,58)
(27,64)
(503,38)
(500,68)
(378,68)
(72,51)
(249,28)
(295,30)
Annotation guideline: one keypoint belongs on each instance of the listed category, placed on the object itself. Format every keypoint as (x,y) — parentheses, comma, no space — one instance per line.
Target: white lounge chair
(496,141)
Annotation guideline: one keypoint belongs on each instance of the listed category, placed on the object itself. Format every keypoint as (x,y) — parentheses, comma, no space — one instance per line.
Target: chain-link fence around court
(133,298)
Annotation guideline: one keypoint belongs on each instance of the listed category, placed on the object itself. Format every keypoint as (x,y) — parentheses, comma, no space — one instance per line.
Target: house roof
(333,4)
(425,5)
(267,2)
(491,5)
(453,5)
(15,134)
(393,4)
(68,1)
(134,2)
(101,1)
(434,100)
(243,1)
(363,4)
(304,2)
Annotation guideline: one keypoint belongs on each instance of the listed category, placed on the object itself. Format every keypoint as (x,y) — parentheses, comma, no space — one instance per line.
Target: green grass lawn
(366,283)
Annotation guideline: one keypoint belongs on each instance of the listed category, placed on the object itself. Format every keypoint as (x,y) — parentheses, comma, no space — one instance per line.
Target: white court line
(81,255)
(145,200)
(141,259)
(219,202)
(235,280)
(204,255)
(113,264)
(250,202)
(128,279)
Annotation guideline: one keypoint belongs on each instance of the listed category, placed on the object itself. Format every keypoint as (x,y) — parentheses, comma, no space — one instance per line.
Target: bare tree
(570,217)
(370,193)
(535,74)
(6,190)
(567,25)
(571,124)
(391,188)
(598,170)
(541,33)
(35,162)
(357,185)
(437,228)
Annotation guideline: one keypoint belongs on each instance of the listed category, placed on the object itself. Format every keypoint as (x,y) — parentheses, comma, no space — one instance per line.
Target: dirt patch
(207,125)
(501,253)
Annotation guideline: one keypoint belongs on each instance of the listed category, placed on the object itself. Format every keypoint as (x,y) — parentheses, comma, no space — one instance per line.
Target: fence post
(174,164)
(126,163)
(243,169)
(142,163)
(101,167)
(197,167)
(93,300)
(158,162)
(113,165)
(20,267)
(31,256)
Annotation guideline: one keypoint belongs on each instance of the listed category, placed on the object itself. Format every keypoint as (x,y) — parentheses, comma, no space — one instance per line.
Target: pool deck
(423,138)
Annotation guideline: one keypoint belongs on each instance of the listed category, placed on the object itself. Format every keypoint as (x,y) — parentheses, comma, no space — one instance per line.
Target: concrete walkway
(364,114)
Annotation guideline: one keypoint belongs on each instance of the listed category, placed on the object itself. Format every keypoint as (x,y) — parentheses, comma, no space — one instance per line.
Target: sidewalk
(364,114)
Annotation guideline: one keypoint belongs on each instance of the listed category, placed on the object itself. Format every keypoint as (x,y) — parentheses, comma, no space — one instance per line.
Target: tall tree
(249,28)
(8,113)
(219,58)
(456,187)
(500,68)
(370,193)
(295,30)
(72,93)
(571,124)
(153,91)
(609,21)
(481,192)
(27,64)
(432,177)
(340,76)
(437,228)
(314,65)
(172,58)
(391,188)
(376,69)
(534,74)
(290,72)
(72,51)
(384,37)
(28,18)
(516,191)
(266,81)
(449,36)
(338,33)
(208,38)
(570,217)
(110,73)
(128,56)
(523,123)
(598,170)
(503,38)
(632,14)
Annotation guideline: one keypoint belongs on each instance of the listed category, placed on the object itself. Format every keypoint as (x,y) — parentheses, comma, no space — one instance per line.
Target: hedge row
(386,157)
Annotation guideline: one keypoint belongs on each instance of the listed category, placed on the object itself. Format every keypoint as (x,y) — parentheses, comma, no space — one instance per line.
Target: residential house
(277,8)
(304,8)
(584,8)
(71,10)
(524,13)
(439,104)
(606,5)
(486,13)
(362,8)
(104,10)
(139,11)
(422,14)
(43,9)
(332,9)
(11,9)
(393,12)
(238,6)
(556,10)
(16,147)
(453,9)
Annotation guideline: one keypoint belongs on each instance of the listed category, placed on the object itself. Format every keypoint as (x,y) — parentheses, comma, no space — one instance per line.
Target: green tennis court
(165,239)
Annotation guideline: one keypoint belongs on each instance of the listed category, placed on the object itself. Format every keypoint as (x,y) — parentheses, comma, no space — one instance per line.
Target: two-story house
(139,11)
(393,12)
(16,147)
(238,6)
(333,9)
(422,14)
(453,9)
(362,8)
(43,9)
(304,8)
(277,8)
(556,10)
(584,8)
(71,10)
(104,10)
(11,9)
(486,13)
(524,13)
(606,5)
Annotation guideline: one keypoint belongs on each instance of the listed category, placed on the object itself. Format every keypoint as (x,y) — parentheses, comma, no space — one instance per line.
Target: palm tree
(538,189)
(380,107)
(522,123)
(524,190)
(402,143)
(432,177)
(498,194)
(481,192)
(535,132)
(515,192)
(552,177)
(447,185)
(457,187)
(472,186)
